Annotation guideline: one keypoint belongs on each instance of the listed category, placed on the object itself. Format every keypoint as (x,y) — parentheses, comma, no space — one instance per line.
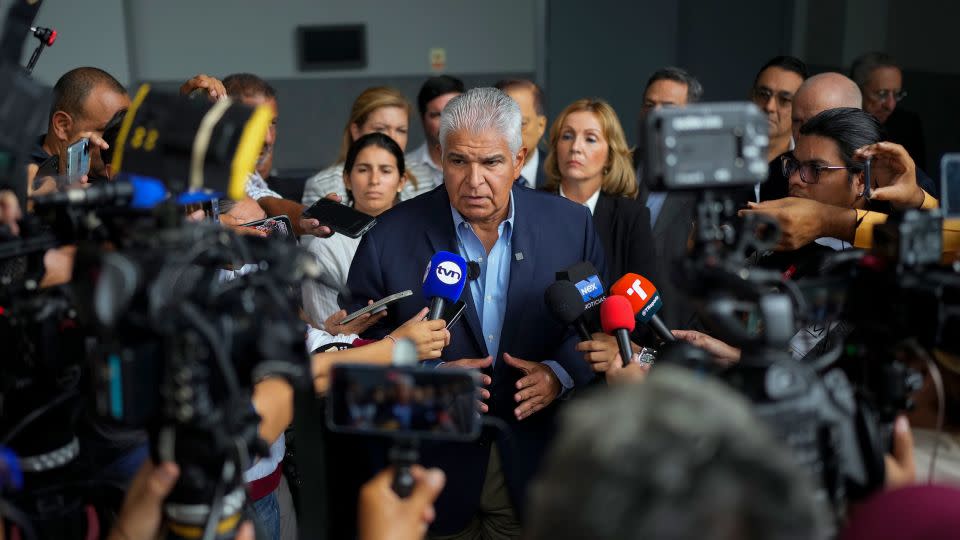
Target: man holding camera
(519,238)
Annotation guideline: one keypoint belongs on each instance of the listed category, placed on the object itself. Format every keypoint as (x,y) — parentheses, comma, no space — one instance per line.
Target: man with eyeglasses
(881,81)
(773,91)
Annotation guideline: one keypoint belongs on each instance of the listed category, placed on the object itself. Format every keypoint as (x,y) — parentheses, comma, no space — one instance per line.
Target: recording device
(592,291)
(47,38)
(340,218)
(377,306)
(191,146)
(645,302)
(78,161)
(565,302)
(276,227)
(706,146)
(453,312)
(616,314)
(815,407)
(867,178)
(177,348)
(443,281)
(406,404)
(950,185)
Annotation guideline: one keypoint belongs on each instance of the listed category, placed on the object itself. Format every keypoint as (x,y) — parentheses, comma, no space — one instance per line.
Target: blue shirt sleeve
(566,381)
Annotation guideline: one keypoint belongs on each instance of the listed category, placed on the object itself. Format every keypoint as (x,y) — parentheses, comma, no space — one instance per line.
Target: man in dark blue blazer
(520,238)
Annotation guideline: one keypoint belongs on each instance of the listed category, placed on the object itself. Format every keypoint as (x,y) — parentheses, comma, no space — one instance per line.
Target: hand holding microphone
(645,302)
(616,316)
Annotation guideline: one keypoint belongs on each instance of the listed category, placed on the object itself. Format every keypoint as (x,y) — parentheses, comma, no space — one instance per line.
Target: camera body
(706,146)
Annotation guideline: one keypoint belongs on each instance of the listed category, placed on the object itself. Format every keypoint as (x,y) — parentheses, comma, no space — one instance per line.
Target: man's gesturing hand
(537,389)
(385,516)
(485,380)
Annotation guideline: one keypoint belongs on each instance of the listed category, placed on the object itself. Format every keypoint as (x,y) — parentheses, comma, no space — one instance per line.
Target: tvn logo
(449,272)
(590,288)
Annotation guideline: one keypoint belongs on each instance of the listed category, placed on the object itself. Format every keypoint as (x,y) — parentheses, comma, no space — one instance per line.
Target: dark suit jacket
(624,228)
(551,233)
(541,178)
(671,233)
(905,128)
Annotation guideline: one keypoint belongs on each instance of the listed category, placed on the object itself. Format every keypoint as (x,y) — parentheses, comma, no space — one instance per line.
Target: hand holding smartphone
(340,218)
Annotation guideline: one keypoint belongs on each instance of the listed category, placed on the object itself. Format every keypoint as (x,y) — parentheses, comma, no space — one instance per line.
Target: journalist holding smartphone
(373,175)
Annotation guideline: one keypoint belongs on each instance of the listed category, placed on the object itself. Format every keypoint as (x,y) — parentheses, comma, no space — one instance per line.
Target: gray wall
(604,48)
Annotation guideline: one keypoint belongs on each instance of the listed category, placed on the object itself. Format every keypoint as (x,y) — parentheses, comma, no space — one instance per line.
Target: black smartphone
(436,404)
(452,312)
(340,218)
(867,177)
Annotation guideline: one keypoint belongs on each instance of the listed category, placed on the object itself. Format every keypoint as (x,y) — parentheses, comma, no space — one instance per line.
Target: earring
(860,195)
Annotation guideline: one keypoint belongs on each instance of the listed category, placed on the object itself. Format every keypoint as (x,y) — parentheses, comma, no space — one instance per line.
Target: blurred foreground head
(676,457)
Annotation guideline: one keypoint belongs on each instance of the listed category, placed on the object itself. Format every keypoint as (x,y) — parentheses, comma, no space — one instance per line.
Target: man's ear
(518,165)
(541,126)
(62,124)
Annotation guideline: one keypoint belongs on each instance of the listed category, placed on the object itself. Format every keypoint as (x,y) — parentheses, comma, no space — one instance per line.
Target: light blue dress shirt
(489,291)
(655,204)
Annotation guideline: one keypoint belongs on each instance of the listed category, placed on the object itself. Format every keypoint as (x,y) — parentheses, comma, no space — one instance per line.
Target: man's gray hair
(480,110)
(682,76)
(677,456)
(863,65)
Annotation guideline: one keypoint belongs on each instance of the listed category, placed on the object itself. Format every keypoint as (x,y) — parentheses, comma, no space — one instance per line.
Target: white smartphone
(377,306)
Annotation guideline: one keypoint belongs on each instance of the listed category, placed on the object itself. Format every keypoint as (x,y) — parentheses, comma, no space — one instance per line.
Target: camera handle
(404,454)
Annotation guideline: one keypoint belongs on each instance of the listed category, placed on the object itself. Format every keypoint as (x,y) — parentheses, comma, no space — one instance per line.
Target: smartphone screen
(453,312)
(78,161)
(275,227)
(950,185)
(341,219)
(438,404)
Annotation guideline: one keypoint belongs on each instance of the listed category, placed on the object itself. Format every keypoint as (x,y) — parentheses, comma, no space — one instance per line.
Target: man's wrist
(840,223)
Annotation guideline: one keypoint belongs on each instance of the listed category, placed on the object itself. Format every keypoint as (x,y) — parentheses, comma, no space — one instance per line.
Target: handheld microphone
(565,302)
(136,192)
(645,302)
(443,281)
(587,280)
(616,315)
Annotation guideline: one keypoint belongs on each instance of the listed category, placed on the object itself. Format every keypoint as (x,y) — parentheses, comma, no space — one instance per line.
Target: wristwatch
(645,355)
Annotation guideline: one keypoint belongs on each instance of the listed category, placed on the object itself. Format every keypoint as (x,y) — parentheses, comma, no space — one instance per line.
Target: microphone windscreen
(445,277)
(616,313)
(147,192)
(564,301)
(641,293)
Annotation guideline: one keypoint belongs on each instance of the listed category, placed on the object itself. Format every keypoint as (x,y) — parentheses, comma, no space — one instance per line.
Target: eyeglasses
(883,95)
(809,171)
(762,94)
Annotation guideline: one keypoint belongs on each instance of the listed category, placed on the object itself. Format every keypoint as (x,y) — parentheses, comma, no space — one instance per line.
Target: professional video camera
(173,346)
(832,430)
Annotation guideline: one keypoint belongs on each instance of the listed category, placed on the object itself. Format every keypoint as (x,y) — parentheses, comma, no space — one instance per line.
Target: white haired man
(520,238)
